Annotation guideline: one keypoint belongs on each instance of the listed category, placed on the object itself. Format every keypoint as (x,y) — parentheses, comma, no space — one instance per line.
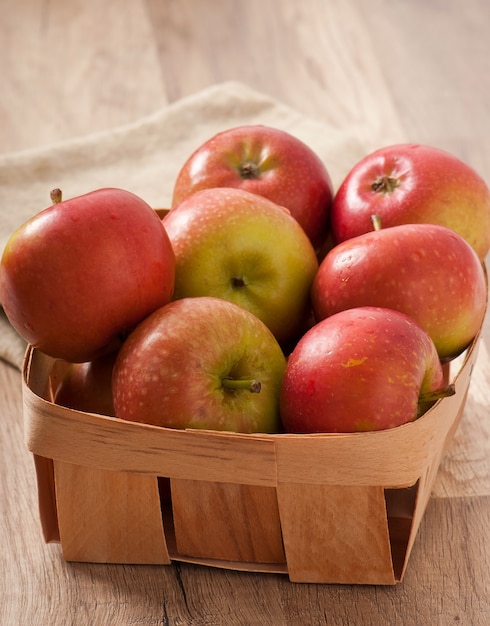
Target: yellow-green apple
(412,183)
(239,246)
(266,161)
(362,369)
(200,363)
(88,386)
(83,272)
(424,270)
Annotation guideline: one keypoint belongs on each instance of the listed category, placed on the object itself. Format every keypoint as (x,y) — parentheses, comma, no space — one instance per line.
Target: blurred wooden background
(394,71)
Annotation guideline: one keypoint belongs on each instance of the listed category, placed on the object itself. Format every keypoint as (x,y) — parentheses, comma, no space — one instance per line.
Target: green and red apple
(412,183)
(424,270)
(79,275)
(362,369)
(241,247)
(200,363)
(266,161)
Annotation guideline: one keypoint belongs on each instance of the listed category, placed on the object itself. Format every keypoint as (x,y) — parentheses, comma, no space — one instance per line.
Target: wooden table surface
(394,70)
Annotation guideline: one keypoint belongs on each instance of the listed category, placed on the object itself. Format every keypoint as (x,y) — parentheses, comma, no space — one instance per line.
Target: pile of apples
(261,301)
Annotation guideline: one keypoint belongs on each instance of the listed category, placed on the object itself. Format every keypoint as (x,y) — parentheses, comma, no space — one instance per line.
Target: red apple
(88,386)
(411,183)
(266,161)
(85,271)
(362,369)
(424,270)
(200,363)
(241,247)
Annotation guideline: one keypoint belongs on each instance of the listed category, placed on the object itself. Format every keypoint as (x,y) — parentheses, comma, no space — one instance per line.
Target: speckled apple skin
(426,271)
(169,371)
(289,173)
(433,186)
(359,370)
(241,247)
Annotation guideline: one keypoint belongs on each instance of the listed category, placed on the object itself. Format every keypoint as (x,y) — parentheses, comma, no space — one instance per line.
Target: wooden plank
(227,521)
(77,64)
(335,534)
(48,513)
(109,517)
(299,44)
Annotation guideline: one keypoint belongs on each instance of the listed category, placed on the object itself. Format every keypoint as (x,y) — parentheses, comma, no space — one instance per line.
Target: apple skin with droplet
(362,369)
(424,270)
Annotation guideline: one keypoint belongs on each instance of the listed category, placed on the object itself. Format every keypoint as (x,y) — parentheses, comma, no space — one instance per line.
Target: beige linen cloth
(145,156)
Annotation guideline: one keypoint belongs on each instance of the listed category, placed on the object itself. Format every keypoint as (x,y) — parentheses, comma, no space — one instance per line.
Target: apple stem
(235,384)
(249,170)
(56,196)
(376,221)
(437,394)
(385,184)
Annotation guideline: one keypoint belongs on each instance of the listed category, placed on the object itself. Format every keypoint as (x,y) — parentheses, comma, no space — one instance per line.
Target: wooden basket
(323,508)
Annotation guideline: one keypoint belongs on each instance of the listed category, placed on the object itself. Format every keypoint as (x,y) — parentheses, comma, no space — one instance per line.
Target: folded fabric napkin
(144,157)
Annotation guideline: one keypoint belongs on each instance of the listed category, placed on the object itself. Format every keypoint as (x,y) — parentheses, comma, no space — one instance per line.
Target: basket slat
(109,517)
(47,498)
(245,521)
(336,534)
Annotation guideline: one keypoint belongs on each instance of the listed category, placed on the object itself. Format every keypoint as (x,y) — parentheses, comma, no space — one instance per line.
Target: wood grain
(73,68)
(97,525)
(227,521)
(330,520)
(435,63)
(294,51)
(391,70)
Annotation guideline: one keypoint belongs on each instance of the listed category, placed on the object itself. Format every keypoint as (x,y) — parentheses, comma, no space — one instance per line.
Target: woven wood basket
(323,508)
